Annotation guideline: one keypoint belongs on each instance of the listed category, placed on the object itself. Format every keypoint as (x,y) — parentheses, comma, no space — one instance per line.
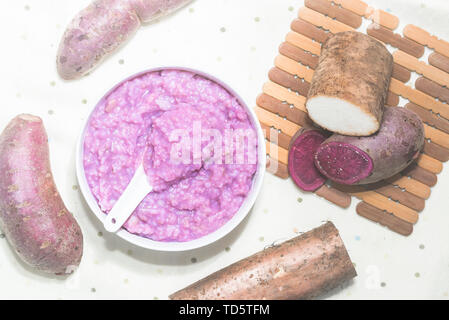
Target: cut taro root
(350,84)
(301,159)
(362,160)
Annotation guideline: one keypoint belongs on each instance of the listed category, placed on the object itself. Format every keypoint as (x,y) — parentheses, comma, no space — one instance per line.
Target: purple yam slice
(365,160)
(301,159)
(344,163)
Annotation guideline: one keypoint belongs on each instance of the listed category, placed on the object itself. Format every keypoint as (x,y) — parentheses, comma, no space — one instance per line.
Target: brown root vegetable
(350,85)
(362,160)
(101,28)
(33,216)
(302,268)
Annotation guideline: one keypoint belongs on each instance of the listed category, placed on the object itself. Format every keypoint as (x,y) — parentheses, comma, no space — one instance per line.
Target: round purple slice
(301,159)
(343,163)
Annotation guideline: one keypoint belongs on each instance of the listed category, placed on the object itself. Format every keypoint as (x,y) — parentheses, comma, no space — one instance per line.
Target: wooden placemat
(395,202)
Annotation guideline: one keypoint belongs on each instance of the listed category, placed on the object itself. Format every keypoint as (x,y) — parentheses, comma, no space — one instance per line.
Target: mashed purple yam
(137,123)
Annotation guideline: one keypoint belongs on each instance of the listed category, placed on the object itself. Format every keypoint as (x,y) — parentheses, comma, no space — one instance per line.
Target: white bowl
(200,242)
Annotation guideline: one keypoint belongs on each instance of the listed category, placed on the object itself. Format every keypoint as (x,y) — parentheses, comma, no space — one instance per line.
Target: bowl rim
(208,239)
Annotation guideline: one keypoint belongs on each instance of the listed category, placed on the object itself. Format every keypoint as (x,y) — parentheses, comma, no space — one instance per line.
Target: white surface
(111,268)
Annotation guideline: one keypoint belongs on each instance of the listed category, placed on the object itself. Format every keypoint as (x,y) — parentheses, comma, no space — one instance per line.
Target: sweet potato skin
(102,27)
(356,68)
(302,268)
(394,147)
(149,10)
(33,216)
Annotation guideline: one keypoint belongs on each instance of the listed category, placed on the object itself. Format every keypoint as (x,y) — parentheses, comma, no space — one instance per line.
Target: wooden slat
(429,117)
(293,67)
(414,187)
(437,136)
(335,196)
(425,38)
(432,89)
(281,93)
(435,151)
(384,218)
(430,164)
(336,12)
(413,64)
(416,172)
(289,81)
(286,126)
(383,203)
(310,30)
(298,40)
(392,99)
(356,6)
(322,21)
(419,98)
(298,54)
(277,152)
(283,140)
(389,191)
(439,61)
(379,16)
(283,109)
(382,17)
(400,73)
(406,198)
(277,168)
(396,40)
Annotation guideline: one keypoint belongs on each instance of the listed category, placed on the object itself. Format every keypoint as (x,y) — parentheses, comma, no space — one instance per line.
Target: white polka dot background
(236,41)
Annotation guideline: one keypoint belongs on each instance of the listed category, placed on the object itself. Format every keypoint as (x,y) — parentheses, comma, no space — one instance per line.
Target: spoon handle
(135,192)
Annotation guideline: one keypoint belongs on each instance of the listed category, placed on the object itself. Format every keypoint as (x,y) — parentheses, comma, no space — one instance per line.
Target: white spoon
(135,192)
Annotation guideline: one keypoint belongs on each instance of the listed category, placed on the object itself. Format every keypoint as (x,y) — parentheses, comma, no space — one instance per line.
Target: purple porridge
(197,145)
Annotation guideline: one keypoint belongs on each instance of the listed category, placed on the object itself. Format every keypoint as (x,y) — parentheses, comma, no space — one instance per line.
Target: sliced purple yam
(370,159)
(301,159)
(343,163)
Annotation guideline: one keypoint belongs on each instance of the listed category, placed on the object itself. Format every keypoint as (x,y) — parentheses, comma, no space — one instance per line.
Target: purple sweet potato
(302,268)
(33,216)
(362,160)
(350,85)
(101,28)
(301,159)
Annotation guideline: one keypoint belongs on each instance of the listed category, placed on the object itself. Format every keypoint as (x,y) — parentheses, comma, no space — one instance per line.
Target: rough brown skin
(302,268)
(33,216)
(356,68)
(394,147)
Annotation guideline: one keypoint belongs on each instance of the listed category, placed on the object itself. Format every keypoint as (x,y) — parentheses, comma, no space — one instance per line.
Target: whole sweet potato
(101,28)
(302,268)
(362,160)
(33,216)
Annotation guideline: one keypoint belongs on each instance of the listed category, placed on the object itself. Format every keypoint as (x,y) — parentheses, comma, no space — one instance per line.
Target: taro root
(302,268)
(350,85)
